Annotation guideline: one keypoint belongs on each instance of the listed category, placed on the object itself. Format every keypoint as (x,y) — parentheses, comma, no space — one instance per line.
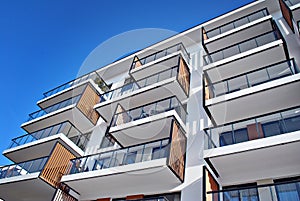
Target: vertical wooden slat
(57,165)
(177,151)
(184,76)
(86,103)
(287,14)
(103,199)
(134,197)
(63,196)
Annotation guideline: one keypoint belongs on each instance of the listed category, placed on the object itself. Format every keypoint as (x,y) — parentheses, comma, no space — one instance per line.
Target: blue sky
(43,43)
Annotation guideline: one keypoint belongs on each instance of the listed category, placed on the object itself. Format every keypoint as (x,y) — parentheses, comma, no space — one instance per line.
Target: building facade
(212,113)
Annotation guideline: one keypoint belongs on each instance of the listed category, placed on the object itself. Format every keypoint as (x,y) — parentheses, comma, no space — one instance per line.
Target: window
(130,158)
(159,152)
(241,135)
(226,138)
(272,128)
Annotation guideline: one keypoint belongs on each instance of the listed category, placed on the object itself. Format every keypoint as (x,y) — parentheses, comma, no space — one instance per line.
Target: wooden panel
(122,116)
(184,76)
(211,185)
(177,151)
(204,34)
(63,196)
(287,14)
(103,199)
(208,92)
(137,62)
(57,165)
(134,197)
(253,133)
(86,103)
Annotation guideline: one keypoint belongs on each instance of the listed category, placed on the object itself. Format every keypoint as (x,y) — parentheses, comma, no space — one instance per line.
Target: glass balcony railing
(161,198)
(94,76)
(285,191)
(119,157)
(291,2)
(23,168)
(138,62)
(254,78)
(179,71)
(235,23)
(261,127)
(54,107)
(149,110)
(66,128)
(241,47)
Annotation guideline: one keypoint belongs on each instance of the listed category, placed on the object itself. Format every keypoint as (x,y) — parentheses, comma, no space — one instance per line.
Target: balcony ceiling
(145,178)
(26,190)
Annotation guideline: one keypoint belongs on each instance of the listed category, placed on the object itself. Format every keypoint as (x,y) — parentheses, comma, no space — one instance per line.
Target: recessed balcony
(40,143)
(147,123)
(247,143)
(238,31)
(19,181)
(280,191)
(160,85)
(244,48)
(77,110)
(225,100)
(161,163)
(73,88)
(158,61)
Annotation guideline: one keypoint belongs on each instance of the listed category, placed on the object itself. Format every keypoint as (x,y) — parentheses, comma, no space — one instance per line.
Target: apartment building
(211,113)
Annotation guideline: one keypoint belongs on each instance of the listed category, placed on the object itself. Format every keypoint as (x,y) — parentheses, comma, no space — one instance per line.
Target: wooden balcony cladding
(57,165)
(207,90)
(63,196)
(122,116)
(184,76)
(204,35)
(287,14)
(177,151)
(137,63)
(86,103)
(210,184)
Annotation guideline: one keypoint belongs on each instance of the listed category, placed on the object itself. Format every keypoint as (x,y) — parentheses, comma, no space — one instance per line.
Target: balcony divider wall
(56,165)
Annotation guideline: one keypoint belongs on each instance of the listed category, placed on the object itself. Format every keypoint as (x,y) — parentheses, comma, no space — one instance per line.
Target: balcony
(40,143)
(247,143)
(146,123)
(213,32)
(158,61)
(225,99)
(290,12)
(172,81)
(242,29)
(73,88)
(160,162)
(19,181)
(278,191)
(77,110)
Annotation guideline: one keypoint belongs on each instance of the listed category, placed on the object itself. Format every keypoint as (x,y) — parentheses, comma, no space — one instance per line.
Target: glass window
(159,152)
(287,192)
(130,158)
(241,135)
(272,128)
(226,138)
(292,123)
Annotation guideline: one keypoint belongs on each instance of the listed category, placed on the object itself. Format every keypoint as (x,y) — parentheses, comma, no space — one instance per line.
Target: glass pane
(226,138)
